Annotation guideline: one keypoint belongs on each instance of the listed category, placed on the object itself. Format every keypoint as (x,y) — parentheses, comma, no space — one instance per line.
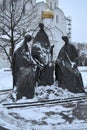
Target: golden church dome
(47,14)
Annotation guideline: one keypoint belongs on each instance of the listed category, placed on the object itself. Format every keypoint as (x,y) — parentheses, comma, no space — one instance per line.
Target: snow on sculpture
(24,70)
(66,70)
(42,54)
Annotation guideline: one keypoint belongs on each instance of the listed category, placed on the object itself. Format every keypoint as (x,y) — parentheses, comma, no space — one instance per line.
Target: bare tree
(16,19)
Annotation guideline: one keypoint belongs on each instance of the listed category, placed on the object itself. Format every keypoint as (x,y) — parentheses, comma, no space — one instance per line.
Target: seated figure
(66,70)
(24,74)
(42,53)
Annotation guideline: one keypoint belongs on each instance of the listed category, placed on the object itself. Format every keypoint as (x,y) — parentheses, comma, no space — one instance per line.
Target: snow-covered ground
(66,116)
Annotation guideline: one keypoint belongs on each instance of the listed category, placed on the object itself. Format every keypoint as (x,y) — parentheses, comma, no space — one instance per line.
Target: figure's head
(28,38)
(65,39)
(41,25)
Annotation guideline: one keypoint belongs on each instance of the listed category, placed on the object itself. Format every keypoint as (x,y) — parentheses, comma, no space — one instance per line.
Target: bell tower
(52,4)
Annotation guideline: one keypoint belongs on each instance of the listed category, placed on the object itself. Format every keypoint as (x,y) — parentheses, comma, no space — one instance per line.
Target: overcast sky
(77,10)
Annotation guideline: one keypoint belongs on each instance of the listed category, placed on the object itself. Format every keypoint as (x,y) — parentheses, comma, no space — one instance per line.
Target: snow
(44,53)
(57,117)
(18,45)
(5,78)
(83,70)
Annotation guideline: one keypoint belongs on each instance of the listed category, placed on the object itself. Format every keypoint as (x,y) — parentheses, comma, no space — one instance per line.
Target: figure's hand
(74,65)
(58,61)
(31,63)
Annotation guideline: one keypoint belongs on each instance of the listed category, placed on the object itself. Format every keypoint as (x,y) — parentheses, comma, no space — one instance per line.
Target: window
(23,9)
(4,5)
(57,19)
(50,5)
(55,5)
(31,1)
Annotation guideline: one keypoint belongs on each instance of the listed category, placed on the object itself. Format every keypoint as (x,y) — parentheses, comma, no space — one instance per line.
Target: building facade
(55,26)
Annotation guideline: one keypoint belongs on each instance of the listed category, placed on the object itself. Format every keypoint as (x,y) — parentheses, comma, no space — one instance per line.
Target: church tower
(52,4)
